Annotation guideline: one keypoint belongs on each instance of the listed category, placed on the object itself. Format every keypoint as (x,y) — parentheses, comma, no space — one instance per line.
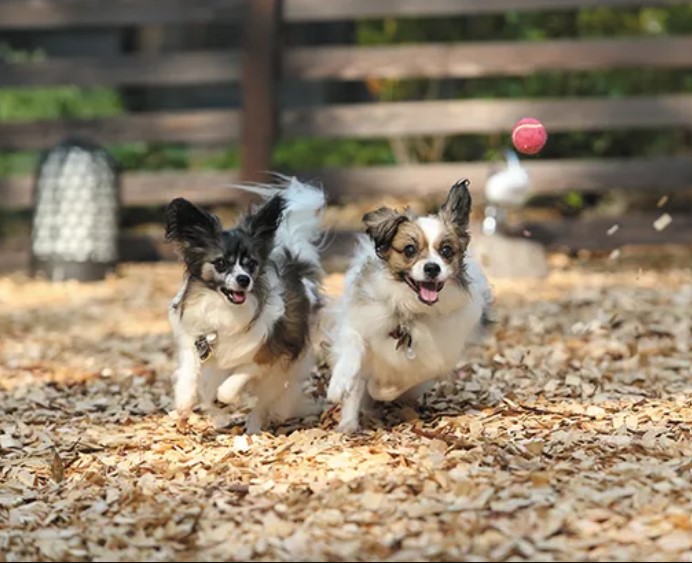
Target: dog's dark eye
(250,265)
(446,252)
(221,264)
(409,251)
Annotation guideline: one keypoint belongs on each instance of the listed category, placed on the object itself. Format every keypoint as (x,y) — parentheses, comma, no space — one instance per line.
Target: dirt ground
(566,436)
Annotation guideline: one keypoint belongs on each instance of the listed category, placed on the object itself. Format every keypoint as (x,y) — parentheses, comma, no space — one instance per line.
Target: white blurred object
(507,188)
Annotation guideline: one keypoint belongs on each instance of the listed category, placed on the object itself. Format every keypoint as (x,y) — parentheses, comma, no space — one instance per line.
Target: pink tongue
(238,297)
(428,294)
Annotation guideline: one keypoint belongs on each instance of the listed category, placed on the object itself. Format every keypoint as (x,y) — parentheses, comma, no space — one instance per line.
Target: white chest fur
(438,334)
(238,337)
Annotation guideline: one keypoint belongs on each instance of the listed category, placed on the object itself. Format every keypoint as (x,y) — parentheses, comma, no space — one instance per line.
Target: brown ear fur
(381,225)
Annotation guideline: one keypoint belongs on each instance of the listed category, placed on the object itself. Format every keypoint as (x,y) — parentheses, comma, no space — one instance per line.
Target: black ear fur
(189,224)
(381,225)
(457,207)
(263,223)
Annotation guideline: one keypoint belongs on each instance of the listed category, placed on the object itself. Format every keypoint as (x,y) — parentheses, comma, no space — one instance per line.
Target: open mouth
(235,297)
(428,292)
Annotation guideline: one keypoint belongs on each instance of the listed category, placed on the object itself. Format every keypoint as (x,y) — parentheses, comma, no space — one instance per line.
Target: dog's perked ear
(263,223)
(190,225)
(457,208)
(381,225)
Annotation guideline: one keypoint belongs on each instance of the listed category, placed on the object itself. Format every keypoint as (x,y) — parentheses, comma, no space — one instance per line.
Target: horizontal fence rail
(333,10)
(200,126)
(479,116)
(127,70)
(52,14)
(143,188)
(667,174)
(481,59)
(467,60)
(662,175)
(455,117)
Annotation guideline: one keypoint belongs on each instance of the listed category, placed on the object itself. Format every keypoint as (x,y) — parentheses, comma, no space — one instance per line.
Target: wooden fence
(261,64)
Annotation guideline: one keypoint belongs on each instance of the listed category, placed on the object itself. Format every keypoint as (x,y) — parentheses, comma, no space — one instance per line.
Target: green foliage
(218,160)
(17,163)
(315,153)
(19,104)
(150,156)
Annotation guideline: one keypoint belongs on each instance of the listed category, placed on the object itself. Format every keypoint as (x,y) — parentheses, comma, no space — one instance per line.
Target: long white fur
(366,361)
(299,231)
(231,370)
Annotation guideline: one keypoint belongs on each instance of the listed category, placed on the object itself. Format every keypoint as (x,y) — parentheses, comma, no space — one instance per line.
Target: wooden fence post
(260,69)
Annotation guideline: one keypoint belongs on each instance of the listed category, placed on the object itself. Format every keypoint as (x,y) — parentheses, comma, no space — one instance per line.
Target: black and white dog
(243,317)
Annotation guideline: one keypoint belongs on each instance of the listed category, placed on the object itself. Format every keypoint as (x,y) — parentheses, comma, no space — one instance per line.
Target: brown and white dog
(413,297)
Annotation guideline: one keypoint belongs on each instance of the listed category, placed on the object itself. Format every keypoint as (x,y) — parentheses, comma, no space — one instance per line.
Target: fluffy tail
(299,230)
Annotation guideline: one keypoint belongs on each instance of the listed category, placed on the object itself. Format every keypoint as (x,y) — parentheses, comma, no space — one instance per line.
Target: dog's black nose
(242,280)
(432,270)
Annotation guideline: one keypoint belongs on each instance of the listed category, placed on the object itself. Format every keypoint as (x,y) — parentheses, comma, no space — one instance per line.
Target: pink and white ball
(529,135)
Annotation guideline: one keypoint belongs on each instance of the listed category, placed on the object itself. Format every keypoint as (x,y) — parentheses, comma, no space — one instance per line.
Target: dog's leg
(211,380)
(347,384)
(350,406)
(229,390)
(348,352)
(258,417)
(187,378)
(187,375)
(276,399)
(292,401)
(212,377)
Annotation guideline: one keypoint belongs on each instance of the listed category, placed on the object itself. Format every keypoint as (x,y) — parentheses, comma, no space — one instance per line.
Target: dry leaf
(57,467)
(632,422)
(679,540)
(595,411)
(7,442)
(241,443)
(371,501)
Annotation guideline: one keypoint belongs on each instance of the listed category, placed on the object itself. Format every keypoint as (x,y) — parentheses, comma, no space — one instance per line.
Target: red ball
(529,135)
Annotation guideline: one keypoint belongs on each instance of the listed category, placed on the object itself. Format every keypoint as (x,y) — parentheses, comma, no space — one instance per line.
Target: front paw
(230,389)
(183,425)
(184,406)
(183,410)
(255,422)
(182,420)
(252,428)
(221,421)
(348,426)
(337,390)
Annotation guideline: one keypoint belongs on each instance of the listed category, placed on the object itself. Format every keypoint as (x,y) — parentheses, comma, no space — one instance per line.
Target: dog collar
(205,346)
(403,338)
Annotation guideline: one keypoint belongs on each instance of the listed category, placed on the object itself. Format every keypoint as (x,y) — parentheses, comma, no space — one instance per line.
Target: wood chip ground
(566,436)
